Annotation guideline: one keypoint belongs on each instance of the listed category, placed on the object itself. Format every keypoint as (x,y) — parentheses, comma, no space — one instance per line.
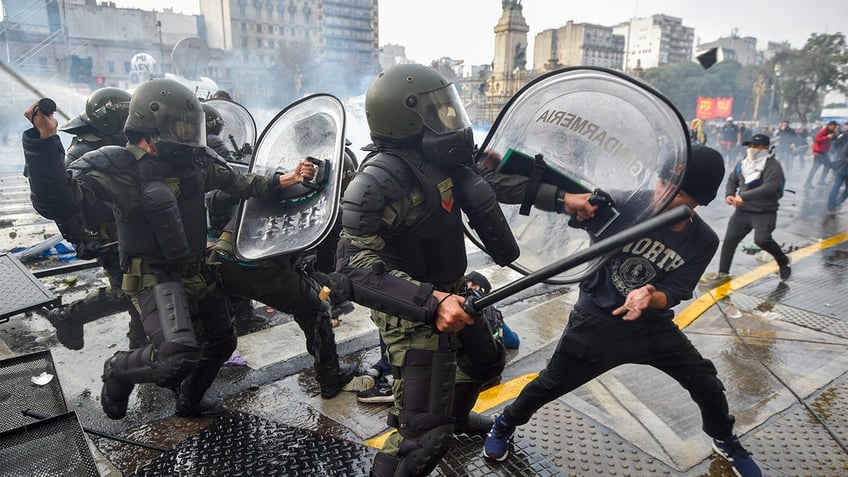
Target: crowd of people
(140,191)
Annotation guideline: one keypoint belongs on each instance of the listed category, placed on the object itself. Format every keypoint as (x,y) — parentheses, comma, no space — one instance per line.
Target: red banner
(709,108)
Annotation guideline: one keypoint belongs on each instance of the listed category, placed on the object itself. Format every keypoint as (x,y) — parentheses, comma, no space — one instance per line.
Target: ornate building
(509,69)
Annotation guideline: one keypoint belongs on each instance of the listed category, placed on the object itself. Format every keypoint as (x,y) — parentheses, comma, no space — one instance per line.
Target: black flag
(708,58)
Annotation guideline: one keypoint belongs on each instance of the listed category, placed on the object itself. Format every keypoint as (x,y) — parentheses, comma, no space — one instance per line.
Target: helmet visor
(442,110)
(182,127)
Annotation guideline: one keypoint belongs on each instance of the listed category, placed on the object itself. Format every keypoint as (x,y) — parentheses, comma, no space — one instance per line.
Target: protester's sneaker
(380,392)
(716,278)
(497,441)
(785,271)
(360,383)
(736,455)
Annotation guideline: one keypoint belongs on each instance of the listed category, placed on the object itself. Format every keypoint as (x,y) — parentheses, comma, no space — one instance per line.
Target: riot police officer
(402,254)
(92,231)
(155,186)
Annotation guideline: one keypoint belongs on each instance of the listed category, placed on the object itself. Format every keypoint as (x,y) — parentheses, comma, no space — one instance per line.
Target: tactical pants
(401,336)
(276,284)
(590,346)
(215,336)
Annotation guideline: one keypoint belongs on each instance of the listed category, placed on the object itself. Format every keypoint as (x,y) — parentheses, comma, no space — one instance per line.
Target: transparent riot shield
(239,128)
(301,215)
(586,128)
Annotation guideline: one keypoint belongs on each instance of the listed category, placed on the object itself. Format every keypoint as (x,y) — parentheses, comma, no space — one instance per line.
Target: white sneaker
(715,278)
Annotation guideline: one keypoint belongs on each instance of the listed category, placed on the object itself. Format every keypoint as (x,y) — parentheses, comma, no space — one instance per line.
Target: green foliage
(817,68)
(683,83)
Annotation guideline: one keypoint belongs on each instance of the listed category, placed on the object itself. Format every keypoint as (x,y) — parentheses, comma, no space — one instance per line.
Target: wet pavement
(780,349)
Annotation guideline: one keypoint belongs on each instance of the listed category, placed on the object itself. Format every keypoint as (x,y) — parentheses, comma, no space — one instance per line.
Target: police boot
(191,400)
(332,378)
(205,407)
(244,315)
(69,332)
(115,393)
(468,422)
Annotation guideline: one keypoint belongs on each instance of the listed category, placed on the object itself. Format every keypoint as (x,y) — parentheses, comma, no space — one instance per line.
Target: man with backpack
(754,187)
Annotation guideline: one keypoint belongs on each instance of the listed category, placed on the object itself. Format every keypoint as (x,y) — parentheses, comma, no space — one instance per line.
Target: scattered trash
(733,312)
(763,257)
(770,315)
(235,360)
(750,248)
(50,246)
(42,379)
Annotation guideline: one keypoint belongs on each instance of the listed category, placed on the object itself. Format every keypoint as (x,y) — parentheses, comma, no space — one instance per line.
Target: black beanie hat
(704,174)
(479,279)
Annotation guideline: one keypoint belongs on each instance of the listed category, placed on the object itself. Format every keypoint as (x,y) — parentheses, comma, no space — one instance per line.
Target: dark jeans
(840,180)
(591,346)
(819,160)
(742,222)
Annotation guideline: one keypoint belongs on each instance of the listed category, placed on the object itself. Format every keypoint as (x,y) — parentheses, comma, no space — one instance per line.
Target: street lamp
(161,49)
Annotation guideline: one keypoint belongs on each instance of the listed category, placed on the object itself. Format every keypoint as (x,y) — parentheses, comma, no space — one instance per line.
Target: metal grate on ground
(795,443)
(18,392)
(243,444)
(20,291)
(47,448)
(816,289)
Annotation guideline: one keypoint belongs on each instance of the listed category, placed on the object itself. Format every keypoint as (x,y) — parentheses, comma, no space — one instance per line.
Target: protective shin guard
(425,421)
(467,422)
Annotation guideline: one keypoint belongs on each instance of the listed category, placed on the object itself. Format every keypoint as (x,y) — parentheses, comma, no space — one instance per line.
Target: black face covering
(452,149)
(181,154)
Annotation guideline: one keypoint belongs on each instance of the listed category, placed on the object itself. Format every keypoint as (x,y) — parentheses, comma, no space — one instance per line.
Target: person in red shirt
(821,152)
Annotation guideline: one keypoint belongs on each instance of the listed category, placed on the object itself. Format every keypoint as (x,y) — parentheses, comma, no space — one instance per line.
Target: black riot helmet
(168,110)
(410,103)
(214,121)
(106,110)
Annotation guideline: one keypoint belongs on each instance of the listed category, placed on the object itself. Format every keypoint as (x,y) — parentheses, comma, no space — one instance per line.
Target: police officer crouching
(155,187)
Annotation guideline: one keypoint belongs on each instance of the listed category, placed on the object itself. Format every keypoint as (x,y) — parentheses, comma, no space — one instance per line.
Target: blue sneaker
(736,455)
(497,440)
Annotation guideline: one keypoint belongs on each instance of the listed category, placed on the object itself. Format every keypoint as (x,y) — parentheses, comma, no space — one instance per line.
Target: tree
(809,73)
(683,83)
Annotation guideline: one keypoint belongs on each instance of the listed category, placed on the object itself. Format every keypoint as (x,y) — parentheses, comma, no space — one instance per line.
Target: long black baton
(474,305)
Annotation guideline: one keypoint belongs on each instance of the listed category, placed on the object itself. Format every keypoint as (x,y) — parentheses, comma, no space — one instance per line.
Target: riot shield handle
(613,242)
(600,198)
(322,171)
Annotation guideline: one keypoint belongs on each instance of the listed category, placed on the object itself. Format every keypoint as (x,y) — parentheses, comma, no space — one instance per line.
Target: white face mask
(756,154)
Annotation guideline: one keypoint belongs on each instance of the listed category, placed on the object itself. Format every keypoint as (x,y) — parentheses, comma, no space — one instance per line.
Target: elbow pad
(163,213)
(477,199)
(388,294)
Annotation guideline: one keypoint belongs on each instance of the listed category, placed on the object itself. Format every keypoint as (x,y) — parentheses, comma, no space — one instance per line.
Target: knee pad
(169,369)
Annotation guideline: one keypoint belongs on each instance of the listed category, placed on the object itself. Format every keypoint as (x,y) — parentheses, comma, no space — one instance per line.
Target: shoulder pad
(380,180)
(391,173)
(107,158)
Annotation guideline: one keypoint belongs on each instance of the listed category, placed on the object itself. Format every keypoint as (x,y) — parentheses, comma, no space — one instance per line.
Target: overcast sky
(463,29)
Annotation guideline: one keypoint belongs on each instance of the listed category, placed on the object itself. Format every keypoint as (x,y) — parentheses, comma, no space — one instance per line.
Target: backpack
(758,181)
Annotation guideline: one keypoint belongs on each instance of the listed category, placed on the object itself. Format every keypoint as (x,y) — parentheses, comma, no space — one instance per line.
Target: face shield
(181,126)
(442,110)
